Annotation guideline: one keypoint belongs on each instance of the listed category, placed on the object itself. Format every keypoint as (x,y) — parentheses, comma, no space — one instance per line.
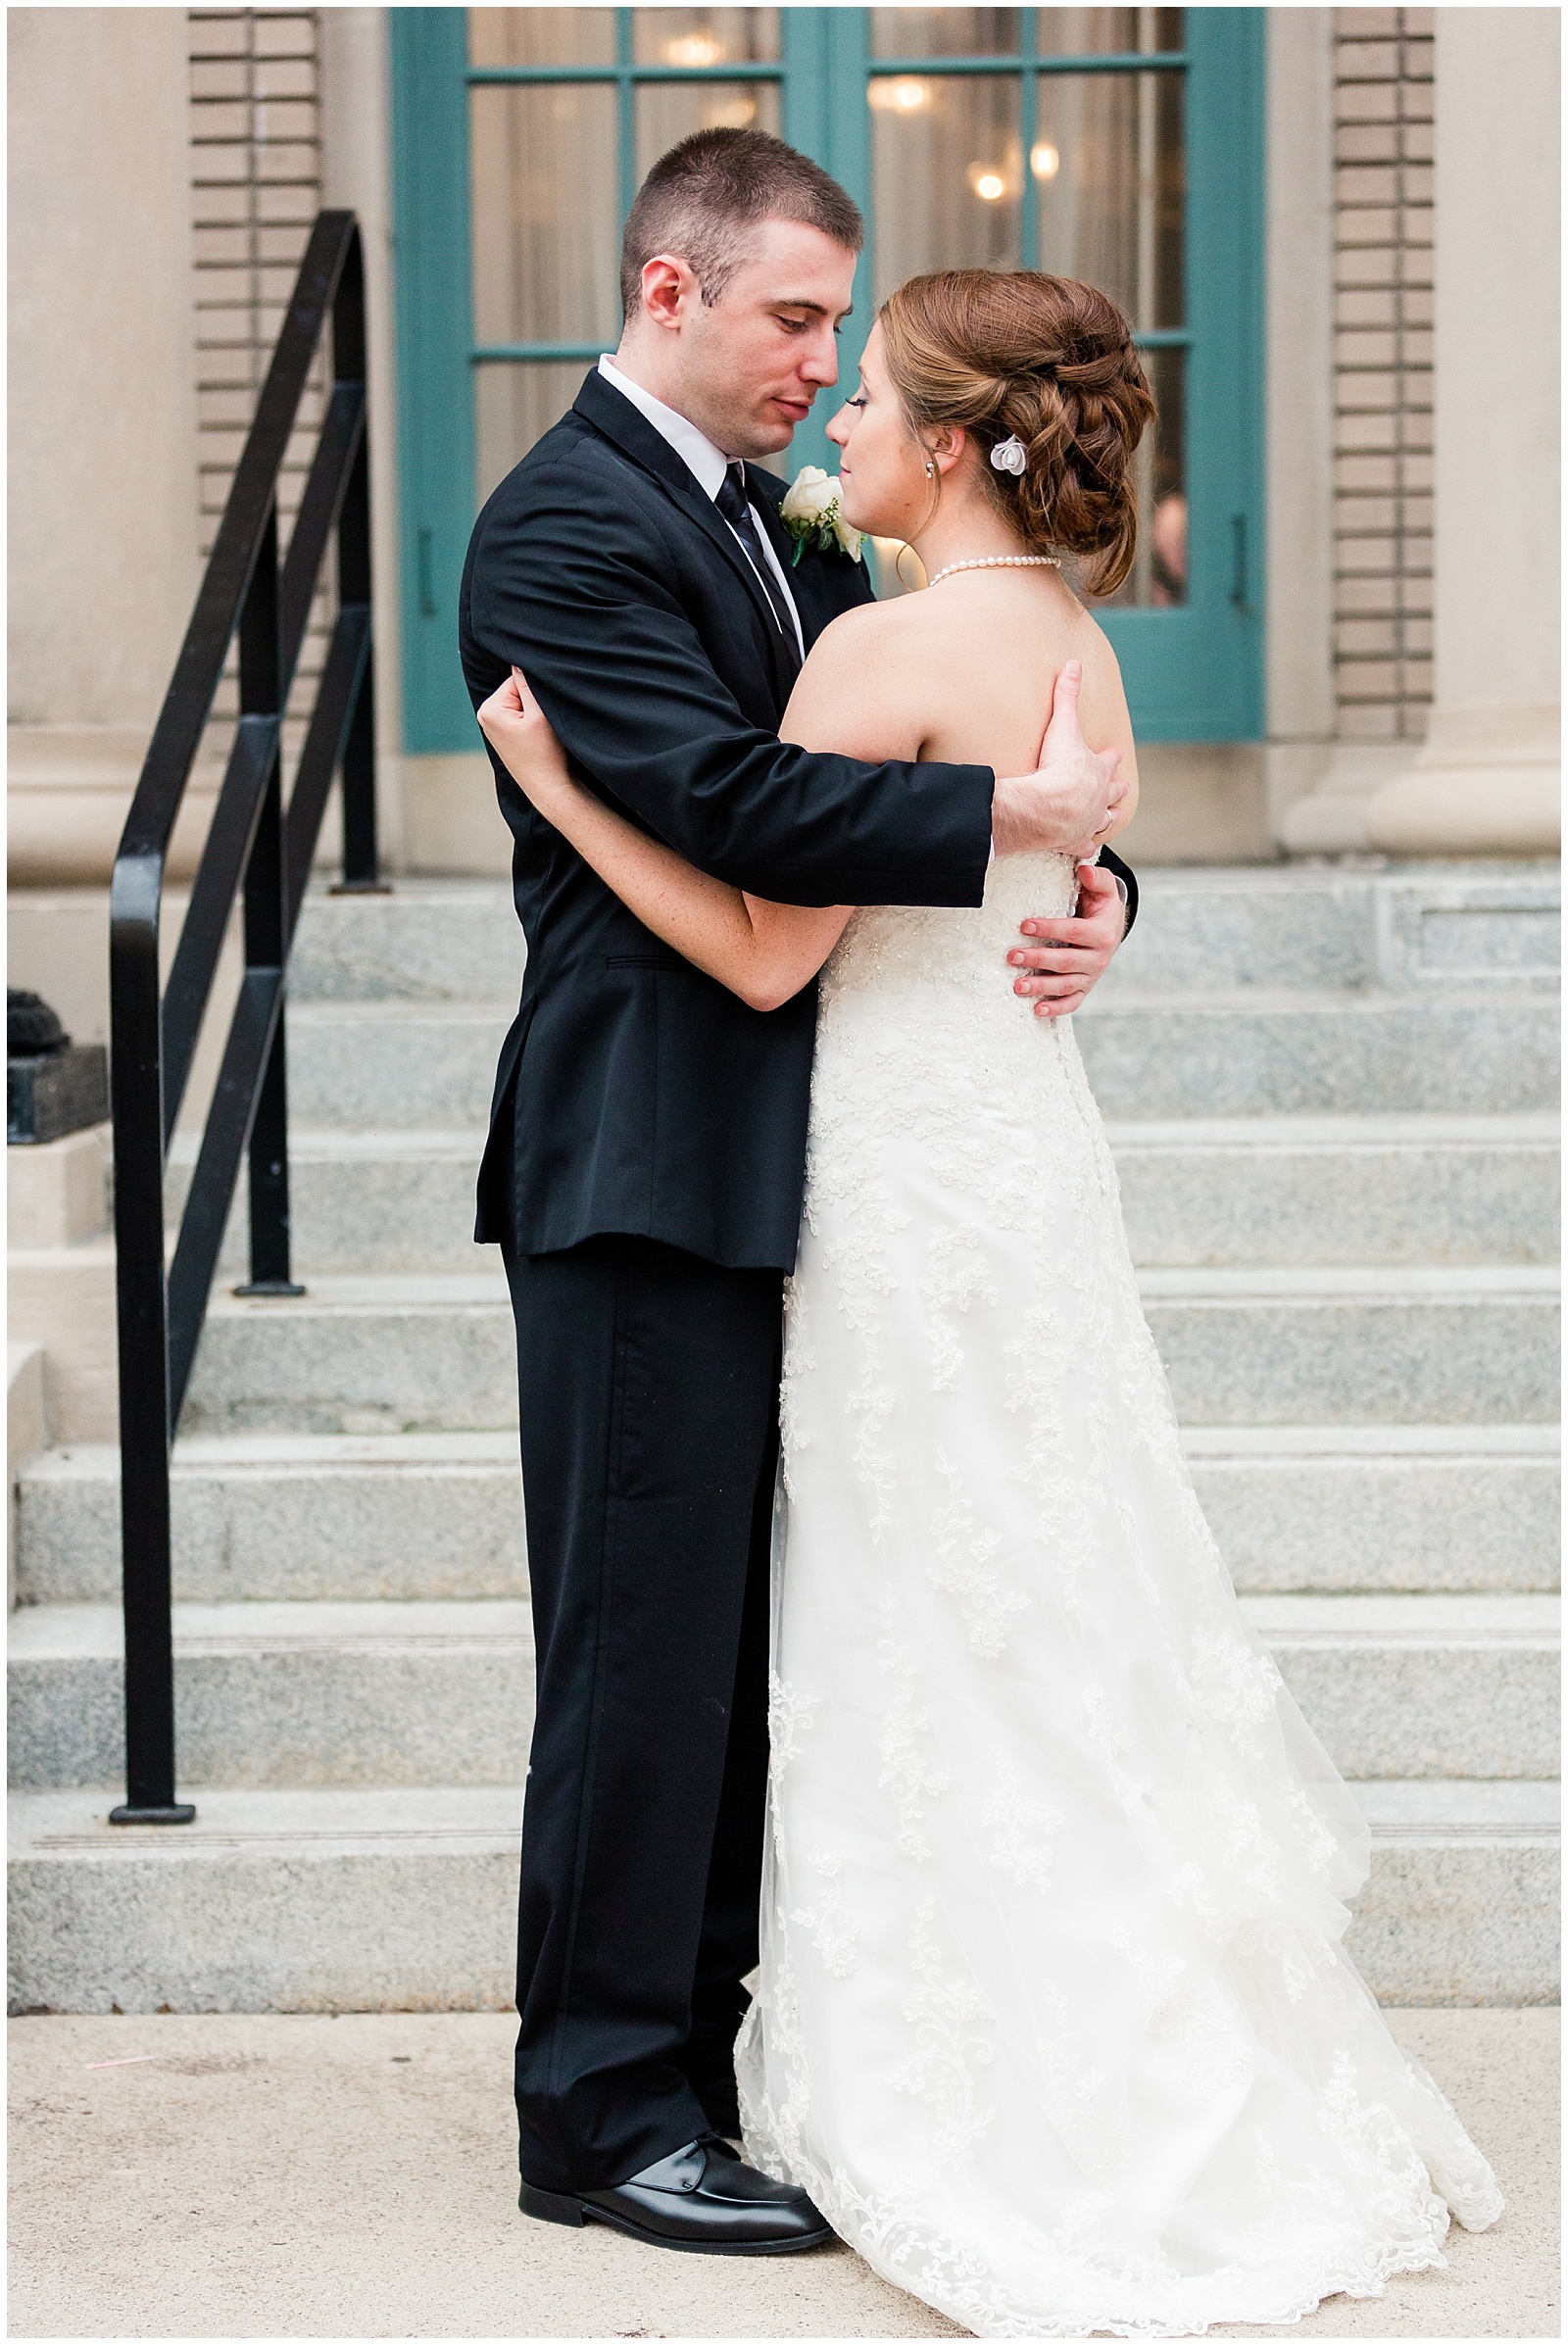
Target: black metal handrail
(253,843)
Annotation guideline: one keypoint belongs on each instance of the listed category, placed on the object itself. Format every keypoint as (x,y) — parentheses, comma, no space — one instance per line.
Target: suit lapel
(604,407)
(812,580)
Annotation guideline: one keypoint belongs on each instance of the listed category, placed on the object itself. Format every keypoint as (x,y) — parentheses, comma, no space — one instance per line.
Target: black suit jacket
(635,1093)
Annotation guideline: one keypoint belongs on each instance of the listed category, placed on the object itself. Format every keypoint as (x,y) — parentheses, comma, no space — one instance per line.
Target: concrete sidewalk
(322,2177)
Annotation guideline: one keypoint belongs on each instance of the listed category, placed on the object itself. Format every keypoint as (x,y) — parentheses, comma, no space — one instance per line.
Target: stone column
(356,173)
(1299,435)
(1487,780)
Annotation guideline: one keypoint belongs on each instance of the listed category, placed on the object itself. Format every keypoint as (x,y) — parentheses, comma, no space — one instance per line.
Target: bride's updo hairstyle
(1049,361)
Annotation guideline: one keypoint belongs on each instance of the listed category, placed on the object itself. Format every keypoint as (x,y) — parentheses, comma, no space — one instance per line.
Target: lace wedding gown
(1053,2019)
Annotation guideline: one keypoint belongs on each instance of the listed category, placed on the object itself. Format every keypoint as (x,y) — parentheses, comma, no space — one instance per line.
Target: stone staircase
(1331,1095)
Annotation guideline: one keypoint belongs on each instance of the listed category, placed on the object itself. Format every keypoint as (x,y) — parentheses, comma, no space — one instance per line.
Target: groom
(645,1164)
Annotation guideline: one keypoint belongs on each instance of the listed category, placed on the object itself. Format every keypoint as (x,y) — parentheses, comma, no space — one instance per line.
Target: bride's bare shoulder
(894,638)
(866,629)
(854,692)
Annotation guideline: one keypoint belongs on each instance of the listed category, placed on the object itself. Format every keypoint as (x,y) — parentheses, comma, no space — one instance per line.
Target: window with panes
(1122,145)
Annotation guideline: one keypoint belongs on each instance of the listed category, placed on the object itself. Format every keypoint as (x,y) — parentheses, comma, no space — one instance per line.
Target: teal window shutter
(825,57)
(435,393)
(1194,671)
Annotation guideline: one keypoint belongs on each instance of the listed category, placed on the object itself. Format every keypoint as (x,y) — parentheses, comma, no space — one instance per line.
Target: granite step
(313,1517)
(286,1518)
(1378,924)
(285,1695)
(373,1200)
(399,1351)
(1463,1901)
(1368,1509)
(313,1900)
(400,1900)
(395,1352)
(294,1695)
(1340,1191)
(394,1065)
(1357,1346)
(430,940)
(1416,1686)
(402,1064)
(1255,1051)
(1302,1191)
(1427,927)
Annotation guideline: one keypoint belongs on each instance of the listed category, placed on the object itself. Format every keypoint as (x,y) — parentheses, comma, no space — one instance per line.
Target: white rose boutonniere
(812,514)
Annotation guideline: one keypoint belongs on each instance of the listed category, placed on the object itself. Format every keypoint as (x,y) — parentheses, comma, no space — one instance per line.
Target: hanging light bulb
(987,181)
(901,96)
(1043,160)
(695,49)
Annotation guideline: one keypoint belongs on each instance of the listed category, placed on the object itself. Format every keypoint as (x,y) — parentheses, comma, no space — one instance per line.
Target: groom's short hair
(700,199)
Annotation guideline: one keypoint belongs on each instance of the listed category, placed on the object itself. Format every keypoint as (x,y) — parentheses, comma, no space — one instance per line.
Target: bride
(1053,2019)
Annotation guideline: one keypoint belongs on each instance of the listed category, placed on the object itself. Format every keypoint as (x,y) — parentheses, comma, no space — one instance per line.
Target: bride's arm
(763,951)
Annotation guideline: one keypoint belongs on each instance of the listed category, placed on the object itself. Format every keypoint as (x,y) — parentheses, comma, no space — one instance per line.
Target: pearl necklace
(1000,561)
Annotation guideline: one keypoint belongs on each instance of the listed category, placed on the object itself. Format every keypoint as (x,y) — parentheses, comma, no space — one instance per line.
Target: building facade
(1342,634)
(1328,1071)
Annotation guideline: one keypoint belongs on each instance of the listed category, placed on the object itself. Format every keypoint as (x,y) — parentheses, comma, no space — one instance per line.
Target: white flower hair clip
(1011,456)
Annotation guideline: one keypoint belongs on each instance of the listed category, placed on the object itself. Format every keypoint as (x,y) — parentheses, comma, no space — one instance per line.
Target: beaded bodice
(888,945)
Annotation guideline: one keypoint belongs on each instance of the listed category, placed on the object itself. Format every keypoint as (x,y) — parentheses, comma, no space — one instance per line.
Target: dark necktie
(733,505)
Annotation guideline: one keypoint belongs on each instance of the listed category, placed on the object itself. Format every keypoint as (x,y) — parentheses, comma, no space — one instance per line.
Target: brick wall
(256,189)
(1383,76)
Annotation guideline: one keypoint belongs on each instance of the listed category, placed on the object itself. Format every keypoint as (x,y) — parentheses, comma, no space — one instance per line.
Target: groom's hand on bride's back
(1066,805)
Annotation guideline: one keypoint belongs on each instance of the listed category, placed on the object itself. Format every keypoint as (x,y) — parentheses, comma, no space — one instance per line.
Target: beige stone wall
(102,416)
(182,166)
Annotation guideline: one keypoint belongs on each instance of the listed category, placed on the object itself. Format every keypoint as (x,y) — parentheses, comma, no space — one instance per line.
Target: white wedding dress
(1052,2018)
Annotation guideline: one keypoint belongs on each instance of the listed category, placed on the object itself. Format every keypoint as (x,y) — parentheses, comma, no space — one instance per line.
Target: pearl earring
(930,468)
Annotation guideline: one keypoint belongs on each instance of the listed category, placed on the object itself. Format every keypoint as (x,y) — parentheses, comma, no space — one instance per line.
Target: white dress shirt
(707,466)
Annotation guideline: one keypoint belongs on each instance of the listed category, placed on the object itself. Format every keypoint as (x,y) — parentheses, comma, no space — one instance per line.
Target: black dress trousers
(648,1383)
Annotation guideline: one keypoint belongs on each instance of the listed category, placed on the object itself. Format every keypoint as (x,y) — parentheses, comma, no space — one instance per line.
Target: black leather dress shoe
(703,2198)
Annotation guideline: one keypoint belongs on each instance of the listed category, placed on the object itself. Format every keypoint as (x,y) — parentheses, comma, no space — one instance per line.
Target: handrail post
(142,1314)
(266,926)
(361,852)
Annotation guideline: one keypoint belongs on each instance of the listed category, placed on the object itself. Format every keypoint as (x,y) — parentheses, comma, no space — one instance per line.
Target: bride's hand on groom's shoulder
(518,731)
(1071,956)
